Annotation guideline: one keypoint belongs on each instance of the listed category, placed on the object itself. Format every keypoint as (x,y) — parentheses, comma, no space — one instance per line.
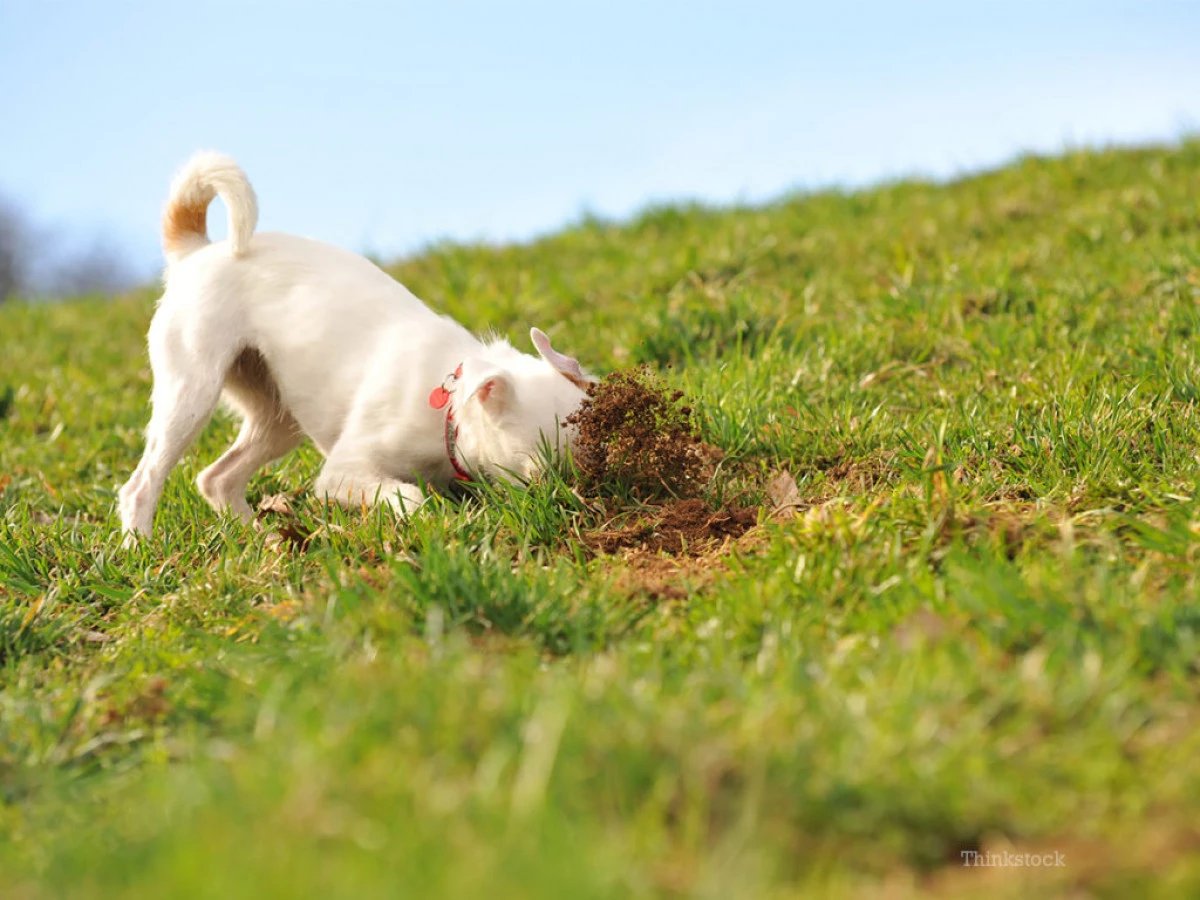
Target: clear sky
(384,126)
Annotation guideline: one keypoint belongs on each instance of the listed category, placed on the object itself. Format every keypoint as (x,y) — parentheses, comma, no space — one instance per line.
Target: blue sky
(384,126)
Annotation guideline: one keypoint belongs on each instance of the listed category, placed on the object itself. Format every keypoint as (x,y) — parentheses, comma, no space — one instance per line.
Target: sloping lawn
(971,627)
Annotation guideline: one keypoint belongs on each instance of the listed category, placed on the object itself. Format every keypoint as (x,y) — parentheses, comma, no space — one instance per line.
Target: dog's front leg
(354,489)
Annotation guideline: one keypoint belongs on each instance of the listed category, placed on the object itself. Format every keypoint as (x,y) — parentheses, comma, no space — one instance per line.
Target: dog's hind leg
(268,432)
(187,386)
(223,484)
(180,410)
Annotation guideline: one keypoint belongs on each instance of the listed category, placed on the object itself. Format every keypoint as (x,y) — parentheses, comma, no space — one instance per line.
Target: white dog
(306,339)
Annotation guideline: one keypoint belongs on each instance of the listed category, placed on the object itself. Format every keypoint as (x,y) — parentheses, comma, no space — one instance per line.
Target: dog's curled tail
(185,218)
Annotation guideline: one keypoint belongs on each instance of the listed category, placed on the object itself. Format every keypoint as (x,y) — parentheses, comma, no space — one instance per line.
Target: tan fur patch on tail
(183,222)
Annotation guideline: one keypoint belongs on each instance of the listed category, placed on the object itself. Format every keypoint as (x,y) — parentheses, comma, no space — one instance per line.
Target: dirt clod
(637,437)
(634,432)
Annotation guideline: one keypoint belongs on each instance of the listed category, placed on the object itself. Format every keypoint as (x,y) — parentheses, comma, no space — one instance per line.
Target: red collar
(439,397)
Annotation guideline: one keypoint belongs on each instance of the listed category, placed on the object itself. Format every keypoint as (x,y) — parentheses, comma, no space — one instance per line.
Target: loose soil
(679,528)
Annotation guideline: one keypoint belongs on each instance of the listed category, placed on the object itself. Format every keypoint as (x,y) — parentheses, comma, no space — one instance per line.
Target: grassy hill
(976,629)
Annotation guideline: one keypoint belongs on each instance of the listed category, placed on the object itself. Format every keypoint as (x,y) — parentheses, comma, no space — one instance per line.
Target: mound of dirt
(683,527)
(636,436)
(636,433)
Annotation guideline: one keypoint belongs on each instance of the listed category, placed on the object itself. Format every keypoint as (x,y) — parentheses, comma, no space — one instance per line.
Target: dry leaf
(783,493)
(277,503)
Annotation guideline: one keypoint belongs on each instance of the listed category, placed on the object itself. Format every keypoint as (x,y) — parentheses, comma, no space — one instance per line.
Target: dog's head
(509,405)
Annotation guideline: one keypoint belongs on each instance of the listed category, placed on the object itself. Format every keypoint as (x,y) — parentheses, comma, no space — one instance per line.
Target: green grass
(979,629)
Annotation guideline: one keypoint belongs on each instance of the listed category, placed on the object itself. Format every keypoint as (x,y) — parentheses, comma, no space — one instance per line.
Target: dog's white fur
(305,339)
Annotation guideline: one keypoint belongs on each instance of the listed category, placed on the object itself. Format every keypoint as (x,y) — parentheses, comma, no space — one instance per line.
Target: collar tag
(440,395)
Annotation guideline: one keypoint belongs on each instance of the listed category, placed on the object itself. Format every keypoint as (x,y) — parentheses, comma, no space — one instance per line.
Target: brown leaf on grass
(276,503)
(288,531)
(289,535)
(784,495)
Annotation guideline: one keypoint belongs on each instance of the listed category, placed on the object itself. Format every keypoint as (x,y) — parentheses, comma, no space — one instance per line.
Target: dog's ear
(493,392)
(567,365)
